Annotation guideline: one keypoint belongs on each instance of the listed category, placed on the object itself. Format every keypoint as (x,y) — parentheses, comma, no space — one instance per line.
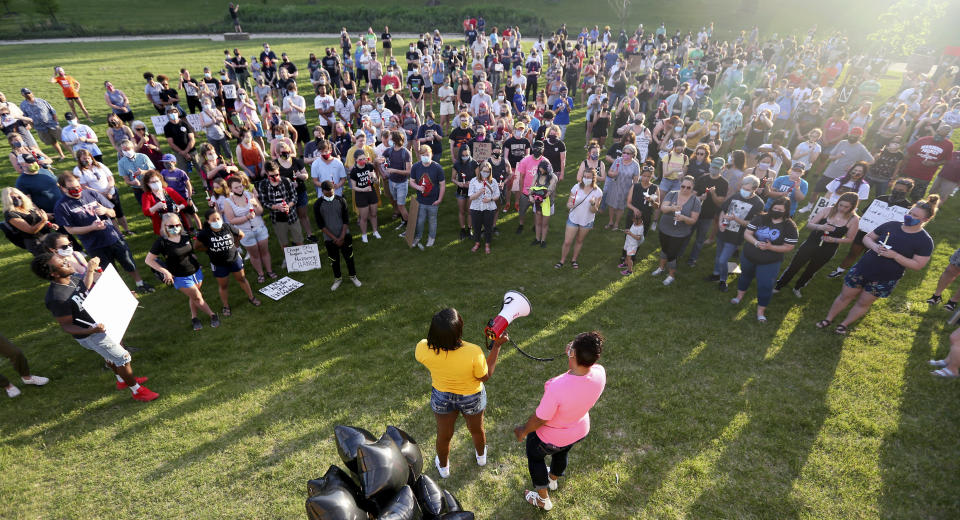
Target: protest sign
(302,258)
(482,151)
(111,303)
(280,288)
(880,212)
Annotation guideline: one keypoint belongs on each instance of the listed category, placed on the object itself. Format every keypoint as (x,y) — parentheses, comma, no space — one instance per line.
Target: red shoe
(140,380)
(145,394)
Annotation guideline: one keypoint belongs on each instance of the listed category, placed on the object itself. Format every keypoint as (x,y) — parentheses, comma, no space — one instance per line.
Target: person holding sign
(219,239)
(735,214)
(65,298)
(831,226)
(893,248)
(180,267)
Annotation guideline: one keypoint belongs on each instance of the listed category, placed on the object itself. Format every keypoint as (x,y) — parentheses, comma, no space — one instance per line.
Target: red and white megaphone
(514,306)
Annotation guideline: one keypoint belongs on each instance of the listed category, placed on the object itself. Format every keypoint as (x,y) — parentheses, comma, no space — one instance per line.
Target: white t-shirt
(771,106)
(295,117)
(324,103)
(95,177)
(863,191)
(581,214)
(345,109)
(444,92)
(332,172)
(630,244)
(804,151)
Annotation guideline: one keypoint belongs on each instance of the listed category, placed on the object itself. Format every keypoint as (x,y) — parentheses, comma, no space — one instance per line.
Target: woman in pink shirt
(563,416)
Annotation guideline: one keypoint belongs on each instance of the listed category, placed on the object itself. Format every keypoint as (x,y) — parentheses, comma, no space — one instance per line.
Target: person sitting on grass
(563,416)
(893,248)
(180,267)
(65,298)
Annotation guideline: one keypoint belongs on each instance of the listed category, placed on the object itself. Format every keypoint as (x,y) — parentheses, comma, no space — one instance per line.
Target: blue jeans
(724,252)
(766,275)
(424,212)
(537,451)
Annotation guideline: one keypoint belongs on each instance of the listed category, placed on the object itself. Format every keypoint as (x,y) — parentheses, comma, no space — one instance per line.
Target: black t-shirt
(362,176)
(296,165)
(67,300)
(239,64)
(697,170)
(764,230)
(465,172)
(178,257)
(415,82)
(387,40)
(330,65)
(169,94)
(221,245)
(516,149)
(876,268)
(552,152)
(180,133)
(412,56)
(709,209)
(460,136)
(291,68)
(743,208)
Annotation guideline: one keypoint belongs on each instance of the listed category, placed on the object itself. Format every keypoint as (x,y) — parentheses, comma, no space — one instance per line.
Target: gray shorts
(285,230)
(111,351)
(955,258)
(49,136)
(399,191)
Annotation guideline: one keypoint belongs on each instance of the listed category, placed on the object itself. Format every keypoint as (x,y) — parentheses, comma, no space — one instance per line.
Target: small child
(631,243)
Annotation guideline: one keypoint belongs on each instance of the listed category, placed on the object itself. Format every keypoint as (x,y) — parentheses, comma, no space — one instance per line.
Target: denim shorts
(258,234)
(447,402)
(571,223)
(302,199)
(111,351)
(182,282)
(880,289)
(224,270)
(399,191)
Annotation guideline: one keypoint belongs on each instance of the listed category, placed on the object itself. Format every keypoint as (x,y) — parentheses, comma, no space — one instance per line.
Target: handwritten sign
(482,151)
(302,258)
(280,288)
(111,303)
(158,123)
(822,202)
(880,212)
(196,121)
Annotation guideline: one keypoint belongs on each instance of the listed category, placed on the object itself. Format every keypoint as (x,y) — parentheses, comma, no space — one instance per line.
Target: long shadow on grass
(916,460)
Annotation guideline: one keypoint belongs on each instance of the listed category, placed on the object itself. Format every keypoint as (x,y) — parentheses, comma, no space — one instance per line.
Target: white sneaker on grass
(668,280)
(657,272)
(355,281)
(430,242)
(482,459)
(443,471)
(12,391)
(551,484)
(336,284)
(35,380)
(376,234)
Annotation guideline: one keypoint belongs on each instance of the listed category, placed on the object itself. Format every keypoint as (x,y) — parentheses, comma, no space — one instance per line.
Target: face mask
(207,75)
(329,198)
(173,117)
(898,195)
(777,213)
(594,156)
(211,157)
(678,129)
(465,158)
(464,125)
(588,181)
(74,192)
(16,201)
(129,154)
(763,166)
(216,224)
(285,155)
(745,193)
(325,156)
(552,139)
(72,122)
(85,162)
(910,220)
(485,173)
(713,133)
(156,186)
(361,163)
(499,98)
(425,160)
(173,230)
(390,143)
(65,251)
(937,137)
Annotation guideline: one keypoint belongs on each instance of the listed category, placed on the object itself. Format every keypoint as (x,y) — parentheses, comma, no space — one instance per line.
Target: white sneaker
(35,380)
(13,391)
(336,284)
(482,459)
(355,281)
(551,484)
(806,208)
(653,227)
(735,301)
(363,238)
(668,280)
(657,272)
(403,235)
(796,292)
(376,234)
(430,242)
(419,246)
(444,471)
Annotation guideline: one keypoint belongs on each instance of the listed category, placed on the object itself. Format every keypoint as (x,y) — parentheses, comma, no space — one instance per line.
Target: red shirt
(951,170)
(926,149)
(149,199)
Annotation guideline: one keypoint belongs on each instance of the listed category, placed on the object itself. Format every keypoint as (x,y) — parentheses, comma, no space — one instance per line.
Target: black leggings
(811,254)
(16,357)
(671,247)
(531,91)
(334,251)
(482,221)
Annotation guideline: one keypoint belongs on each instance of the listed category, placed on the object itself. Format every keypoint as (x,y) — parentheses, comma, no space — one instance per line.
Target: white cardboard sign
(878,213)
(302,258)
(111,303)
(281,288)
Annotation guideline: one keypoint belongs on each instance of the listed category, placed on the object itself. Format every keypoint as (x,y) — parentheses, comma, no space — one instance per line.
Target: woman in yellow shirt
(458,370)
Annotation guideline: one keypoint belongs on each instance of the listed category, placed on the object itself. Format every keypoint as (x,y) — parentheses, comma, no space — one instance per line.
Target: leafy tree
(905,25)
(48,7)
(621,8)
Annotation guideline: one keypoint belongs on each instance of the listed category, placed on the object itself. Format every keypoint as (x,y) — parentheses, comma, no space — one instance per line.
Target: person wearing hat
(44,118)
(792,186)
(712,191)
(844,155)
(561,108)
(179,181)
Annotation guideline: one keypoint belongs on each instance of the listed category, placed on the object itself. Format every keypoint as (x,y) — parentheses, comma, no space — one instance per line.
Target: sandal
(272,275)
(938,363)
(575,265)
(225,310)
(944,372)
(475,248)
(260,278)
(822,324)
(253,301)
(534,498)
(841,330)
(487,249)
(558,265)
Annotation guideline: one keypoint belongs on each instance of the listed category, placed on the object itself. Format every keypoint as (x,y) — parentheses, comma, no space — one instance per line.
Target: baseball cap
(856,131)
(388,87)
(25,91)
(799,165)
(168,157)
(717,163)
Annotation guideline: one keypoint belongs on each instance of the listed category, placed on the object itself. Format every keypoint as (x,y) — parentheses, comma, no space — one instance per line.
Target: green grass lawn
(707,414)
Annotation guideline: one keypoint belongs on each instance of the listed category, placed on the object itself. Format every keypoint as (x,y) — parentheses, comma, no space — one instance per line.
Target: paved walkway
(254,37)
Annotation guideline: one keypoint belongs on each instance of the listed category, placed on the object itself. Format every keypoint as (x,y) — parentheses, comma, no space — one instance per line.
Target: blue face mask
(746,193)
(910,220)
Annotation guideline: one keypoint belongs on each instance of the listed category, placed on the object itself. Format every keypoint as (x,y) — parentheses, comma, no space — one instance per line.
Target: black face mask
(852,139)
(898,195)
(777,214)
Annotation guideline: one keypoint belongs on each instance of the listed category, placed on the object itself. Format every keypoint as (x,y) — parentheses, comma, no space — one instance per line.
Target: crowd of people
(700,140)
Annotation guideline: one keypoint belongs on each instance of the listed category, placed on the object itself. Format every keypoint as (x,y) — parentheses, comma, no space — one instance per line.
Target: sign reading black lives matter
(281,288)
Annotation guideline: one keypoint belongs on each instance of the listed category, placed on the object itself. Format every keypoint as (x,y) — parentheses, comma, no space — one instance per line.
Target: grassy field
(707,414)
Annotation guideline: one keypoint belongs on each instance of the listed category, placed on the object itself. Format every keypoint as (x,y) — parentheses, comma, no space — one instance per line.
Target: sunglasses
(686,187)
(141,129)
(277,176)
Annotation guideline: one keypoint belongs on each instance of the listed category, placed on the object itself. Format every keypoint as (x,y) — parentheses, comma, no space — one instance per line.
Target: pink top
(527,172)
(566,403)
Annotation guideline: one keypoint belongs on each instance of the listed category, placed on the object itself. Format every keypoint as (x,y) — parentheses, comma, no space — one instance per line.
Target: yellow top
(455,371)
